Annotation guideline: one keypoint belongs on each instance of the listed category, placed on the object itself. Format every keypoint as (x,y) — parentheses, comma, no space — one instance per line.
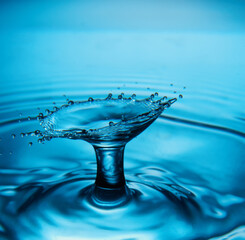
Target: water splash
(108,124)
(155,186)
(110,121)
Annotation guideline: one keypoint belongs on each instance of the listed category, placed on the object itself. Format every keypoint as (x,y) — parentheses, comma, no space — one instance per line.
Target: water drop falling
(22,135)
(133,96)
(30,144)
(29,118)
(180,96)
(156,94)
(13,136)
(70,102)
(90,99)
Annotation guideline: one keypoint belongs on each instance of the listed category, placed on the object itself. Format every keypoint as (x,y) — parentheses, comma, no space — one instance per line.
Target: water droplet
(111,124)
(13,136)
(47,138)
(47,111)
(30,144)
(55,108)
(180,96)
(156,94)
(171,84)
(134,96)
(90,99)
(32,134)
(22,134)
(29,118)
(119,96)
(40,116)
(148,88)
(152,96)
(40,140)
(184,87)
(37,132)
(175,92)
(109,96)
(70,102)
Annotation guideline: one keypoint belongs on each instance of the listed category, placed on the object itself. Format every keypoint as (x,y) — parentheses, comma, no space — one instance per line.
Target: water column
(110,189)
(110,173)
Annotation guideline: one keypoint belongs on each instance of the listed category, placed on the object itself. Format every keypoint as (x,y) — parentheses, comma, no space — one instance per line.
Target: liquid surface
(170,171)
(185,172)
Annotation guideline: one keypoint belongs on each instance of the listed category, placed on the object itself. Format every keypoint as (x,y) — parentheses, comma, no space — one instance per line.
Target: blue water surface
(186,171)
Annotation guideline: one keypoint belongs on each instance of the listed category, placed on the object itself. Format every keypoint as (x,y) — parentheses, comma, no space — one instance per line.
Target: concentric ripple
(184,173)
